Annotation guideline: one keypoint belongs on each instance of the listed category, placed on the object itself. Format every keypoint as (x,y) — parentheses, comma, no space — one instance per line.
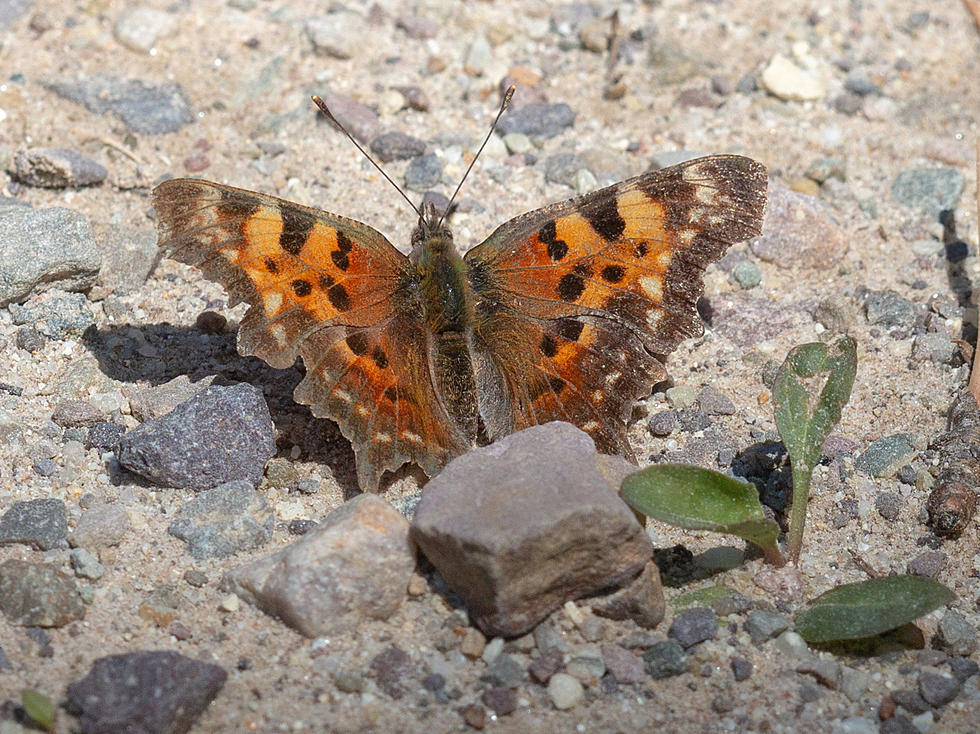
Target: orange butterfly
(563,313)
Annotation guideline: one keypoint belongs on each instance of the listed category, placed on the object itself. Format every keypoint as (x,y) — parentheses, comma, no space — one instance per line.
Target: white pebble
(566,692)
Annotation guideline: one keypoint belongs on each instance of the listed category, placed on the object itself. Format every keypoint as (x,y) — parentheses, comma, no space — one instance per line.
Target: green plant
(38,707)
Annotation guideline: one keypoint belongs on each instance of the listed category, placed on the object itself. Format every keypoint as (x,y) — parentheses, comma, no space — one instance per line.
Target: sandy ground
(248,68)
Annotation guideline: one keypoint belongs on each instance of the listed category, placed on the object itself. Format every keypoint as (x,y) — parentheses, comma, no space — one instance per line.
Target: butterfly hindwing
(331,290)
(577,303)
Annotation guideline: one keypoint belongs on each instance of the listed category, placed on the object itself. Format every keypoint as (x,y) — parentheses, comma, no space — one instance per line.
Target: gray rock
(762,625)
(956,635)
(396,146)
(423,172)
(339,35)
(75,413)
(854,683)
(887,308)
(748,319)
(417,26)
(222,521)
(354,565)
(859,82)
(898,724)
(665,659)
(885,456)
(504,671)
(140,28)
(56,314)
(220,435)
(714,402)
(45,248)
(963,668)
(624,665)
(85,564)
(938,690)
(155,402)
(150,692)
(150,109)
(500,700)
(99,527)
(928,564)
(562,168)
(929,190)
(747,274)
(56,168)
(693,626)
(38,595)
(29,339)
(548,639)
(827,672)
(546,665)
(935,347)
(11,10)
(360,120)
(104,435)
(835,314)
(128,256)
(910,700)
(537,120)
(824,169)
(41,523)
(799,231)
(551,527)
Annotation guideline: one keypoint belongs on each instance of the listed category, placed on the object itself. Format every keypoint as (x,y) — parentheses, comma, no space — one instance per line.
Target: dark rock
(222,521)
(928,564)
(938,690)
(42,249)
(889,505)
(148,692)
(663,423)
(397,146)
(423,172)
(388,668)
(56,314)
(301,527)
(45,467)
(955,634)
(144,108)
(741,669)
(74,413)
(104,435)
(552,527)
(799,231)
(929,190)
(56,168)
(29,339)
(220,435)
(41,523)
(963,668)
(910,700)
(887,308)
(538,120)
(38,595)
(501,701)
(562,168)
(897,725)
(693,626)
(354,565)
(692,421)
(665,659)
(859,82)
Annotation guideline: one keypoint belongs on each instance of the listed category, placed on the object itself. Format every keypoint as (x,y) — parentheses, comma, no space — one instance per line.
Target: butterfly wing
(333,291)
(578,303)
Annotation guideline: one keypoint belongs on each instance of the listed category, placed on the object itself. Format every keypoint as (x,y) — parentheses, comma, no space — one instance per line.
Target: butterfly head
(431,234)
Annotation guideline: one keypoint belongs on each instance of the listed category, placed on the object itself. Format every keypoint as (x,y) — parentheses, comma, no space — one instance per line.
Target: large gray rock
(222,521)
(45,248)
(355,564)
(219,435)
(41,523)
(145,692)
(38,595)
(520,527)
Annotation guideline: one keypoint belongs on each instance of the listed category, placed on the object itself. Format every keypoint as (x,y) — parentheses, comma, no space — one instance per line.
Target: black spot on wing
(236,205)
(344,243)
(604,217)
(391,393)
(613,273)
(357,343)
(380,358)
(340,259)
(338,297)
(302,287)
(569,329)
(296,227)
(549,347)
(326,281)
(271,265)
(557,249)
(571,286)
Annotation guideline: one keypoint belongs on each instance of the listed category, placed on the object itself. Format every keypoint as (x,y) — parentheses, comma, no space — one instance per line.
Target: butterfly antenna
(504,102)
(329,115)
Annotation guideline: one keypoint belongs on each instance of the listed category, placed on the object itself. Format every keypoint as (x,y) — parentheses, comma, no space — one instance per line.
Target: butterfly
(563,313)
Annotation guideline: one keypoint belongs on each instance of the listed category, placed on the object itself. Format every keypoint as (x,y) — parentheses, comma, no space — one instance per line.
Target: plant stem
(797,519)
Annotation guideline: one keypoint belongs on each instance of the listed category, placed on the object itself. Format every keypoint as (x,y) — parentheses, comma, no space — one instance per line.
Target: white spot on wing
(272,300)
(652,286)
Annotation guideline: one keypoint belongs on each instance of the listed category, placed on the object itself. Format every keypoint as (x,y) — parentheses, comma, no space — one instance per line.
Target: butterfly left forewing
(578,303)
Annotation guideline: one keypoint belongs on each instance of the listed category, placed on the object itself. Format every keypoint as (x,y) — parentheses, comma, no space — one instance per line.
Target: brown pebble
(211,322)
(196,162)
(473,643)
(886,709)
(474,715)
(417,585)
(180,630)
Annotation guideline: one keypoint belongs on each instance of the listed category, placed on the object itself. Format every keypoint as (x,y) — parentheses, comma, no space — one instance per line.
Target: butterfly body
(564,313)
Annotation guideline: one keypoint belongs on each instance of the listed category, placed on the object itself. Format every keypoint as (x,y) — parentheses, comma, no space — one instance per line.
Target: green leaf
(854,611)
(38,707)
(804,417)
(805,413)
(701,597)
(699,499)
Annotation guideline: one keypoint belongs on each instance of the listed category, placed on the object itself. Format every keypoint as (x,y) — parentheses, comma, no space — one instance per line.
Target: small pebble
(762,625)
(889,504)
(693,626)
(741,669)
(938,690)
(665,659)
(565,691)
(956,635)
(928,564)
(747,274)
(423,172)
